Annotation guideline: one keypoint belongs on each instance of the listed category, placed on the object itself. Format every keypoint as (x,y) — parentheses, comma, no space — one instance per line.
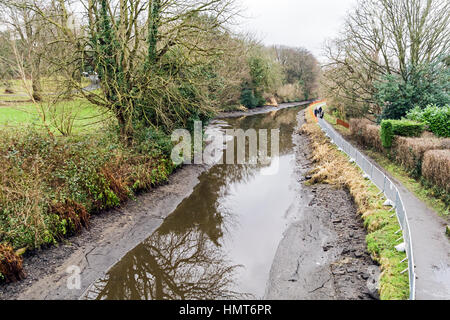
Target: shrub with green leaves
(407,128)
(265,77)
(426,84)
(404,128)
(387,133)
(436,118)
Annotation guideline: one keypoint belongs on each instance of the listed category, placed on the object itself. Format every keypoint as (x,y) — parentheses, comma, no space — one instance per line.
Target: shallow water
(220,242)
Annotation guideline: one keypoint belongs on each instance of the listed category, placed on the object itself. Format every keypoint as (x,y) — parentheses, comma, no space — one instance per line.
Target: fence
(386,186)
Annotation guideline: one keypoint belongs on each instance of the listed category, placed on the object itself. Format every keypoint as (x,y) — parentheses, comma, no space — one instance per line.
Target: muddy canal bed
(219,232)
(220,242)
(241,230)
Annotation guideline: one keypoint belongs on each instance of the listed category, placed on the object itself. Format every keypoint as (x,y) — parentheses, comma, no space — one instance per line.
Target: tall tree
(148,55)
(299,66)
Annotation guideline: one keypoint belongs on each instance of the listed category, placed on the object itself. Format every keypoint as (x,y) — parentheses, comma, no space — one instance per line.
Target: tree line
(161,63)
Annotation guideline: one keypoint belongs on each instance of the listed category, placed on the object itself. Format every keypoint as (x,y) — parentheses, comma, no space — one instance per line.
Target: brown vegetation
(73,213)
(11,268)
(425,159)
(409,152)
(366,133)
(49,186)
(436,168)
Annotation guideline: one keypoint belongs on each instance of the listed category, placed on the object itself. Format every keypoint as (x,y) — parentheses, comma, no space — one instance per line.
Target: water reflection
(170,266)
(220,241)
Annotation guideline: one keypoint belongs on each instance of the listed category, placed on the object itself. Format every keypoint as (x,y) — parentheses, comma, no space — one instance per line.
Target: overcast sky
(304,23)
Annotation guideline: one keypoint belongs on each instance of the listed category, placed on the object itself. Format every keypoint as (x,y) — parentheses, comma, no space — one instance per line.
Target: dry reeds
(332,167)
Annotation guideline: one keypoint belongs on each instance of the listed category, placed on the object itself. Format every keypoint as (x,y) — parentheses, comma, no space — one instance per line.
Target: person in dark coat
(321,113)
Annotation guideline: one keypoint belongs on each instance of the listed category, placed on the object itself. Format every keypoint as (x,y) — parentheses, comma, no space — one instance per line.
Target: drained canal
(220,242)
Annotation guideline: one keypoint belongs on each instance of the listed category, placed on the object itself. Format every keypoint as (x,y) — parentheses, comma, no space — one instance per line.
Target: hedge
(436,168)
(366,133)
(387,134)
(436,118)
(408,152)
(407,128)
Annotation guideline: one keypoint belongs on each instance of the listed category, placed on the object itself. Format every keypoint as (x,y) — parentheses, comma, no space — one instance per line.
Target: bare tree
(384,37)
(173,266)
(25,29)
(300,66)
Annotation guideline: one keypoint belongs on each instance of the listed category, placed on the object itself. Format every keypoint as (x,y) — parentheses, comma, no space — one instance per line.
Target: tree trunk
(126,130)
(36,87)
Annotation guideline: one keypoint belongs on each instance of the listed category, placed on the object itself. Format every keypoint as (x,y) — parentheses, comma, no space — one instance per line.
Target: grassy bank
(333,167)
(50,185)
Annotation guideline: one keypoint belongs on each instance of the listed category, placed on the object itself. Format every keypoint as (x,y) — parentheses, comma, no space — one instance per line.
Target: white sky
(300,23)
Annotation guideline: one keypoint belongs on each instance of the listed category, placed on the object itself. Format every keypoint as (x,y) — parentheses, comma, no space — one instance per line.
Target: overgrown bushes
(436,118)
(289,93)
(265,77)
(409,152)
(366,133)
(50,185)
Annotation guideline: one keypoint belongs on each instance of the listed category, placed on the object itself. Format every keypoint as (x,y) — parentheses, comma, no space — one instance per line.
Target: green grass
(333,120)
(329,118)
(14,98)
(49,86)
(382,238)
(87,117)
(381,241)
